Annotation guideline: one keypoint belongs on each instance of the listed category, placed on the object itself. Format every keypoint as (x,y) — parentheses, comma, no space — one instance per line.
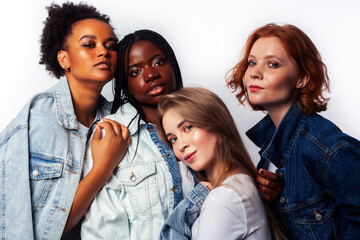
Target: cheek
(283,82)
(246,78)
(176,152)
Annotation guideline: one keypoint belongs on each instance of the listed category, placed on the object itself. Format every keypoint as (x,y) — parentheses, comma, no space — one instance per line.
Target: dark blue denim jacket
(320,165)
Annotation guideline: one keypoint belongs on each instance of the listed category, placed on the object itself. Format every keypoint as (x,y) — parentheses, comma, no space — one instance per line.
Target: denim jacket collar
(276,143)
(129,117)
(64,106)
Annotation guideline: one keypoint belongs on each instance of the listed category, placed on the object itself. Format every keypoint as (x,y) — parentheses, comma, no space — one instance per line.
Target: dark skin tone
(90,60)
(269,185)
(150,77)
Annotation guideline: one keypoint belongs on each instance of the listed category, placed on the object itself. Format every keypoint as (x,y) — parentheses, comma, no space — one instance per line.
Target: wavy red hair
(303,52)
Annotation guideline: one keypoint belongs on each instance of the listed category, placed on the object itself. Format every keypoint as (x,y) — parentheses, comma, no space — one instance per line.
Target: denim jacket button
(133,178)
(282,200)
(318,217)
(280,174)
(35,173)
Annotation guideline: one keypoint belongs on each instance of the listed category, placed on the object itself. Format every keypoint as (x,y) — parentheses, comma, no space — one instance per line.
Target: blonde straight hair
(204,109)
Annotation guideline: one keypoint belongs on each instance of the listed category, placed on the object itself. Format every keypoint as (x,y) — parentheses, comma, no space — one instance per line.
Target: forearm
(85,194)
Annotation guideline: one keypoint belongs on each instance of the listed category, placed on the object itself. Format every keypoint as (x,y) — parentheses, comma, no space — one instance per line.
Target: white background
(207,37)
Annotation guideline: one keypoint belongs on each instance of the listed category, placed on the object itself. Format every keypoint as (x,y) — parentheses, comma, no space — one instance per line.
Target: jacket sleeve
(178,225)
(15,194)
(342,175)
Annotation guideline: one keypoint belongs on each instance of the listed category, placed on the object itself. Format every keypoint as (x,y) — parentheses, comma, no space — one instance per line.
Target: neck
(150,114)
(85,99)
(213,171)
(277,113)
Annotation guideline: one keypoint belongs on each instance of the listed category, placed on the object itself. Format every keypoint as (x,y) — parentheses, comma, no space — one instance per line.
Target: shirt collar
(64,106)
(276,143)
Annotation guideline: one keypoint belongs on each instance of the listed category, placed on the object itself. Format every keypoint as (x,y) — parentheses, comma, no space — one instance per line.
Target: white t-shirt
(187,179)
(233,210)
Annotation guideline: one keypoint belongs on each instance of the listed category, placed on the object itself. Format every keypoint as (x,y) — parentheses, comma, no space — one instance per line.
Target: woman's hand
(270,185)
(108,150)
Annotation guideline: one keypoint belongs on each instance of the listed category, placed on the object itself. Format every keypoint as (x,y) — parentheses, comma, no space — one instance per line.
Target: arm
(107,152)
(179,223)
(15,202)
(269,185)
(344,180)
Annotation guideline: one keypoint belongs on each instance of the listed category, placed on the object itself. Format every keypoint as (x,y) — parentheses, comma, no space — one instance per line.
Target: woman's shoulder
(236,188)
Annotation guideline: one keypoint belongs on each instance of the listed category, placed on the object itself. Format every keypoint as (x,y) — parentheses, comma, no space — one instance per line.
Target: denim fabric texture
(143,190)
(41,157)
(178,225)
(321,194)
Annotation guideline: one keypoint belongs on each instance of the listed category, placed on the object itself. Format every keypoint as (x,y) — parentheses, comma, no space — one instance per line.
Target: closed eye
(88,45)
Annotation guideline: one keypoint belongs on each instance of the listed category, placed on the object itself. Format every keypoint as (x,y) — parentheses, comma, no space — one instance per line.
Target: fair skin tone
(150,77)
(192,145)
(271,80)
(91,60)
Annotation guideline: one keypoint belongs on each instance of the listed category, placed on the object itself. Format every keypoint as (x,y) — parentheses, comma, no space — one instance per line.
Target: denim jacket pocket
(315,220)
(140,184)
(44,172)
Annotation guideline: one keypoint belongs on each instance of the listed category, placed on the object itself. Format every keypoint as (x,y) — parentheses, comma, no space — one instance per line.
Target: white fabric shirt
(187,179)
(233,210)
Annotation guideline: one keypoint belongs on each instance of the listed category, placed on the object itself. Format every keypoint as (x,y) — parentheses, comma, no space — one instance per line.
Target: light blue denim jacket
(178,225)
(41,157)
(142,191)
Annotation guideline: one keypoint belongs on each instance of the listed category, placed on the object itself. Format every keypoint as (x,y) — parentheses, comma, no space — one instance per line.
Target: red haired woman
(281,72)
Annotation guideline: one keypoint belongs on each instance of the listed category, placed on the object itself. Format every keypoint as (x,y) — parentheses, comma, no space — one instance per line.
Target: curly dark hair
(58,26)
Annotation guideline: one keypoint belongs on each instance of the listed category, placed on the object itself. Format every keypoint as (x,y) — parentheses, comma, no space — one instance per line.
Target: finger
(269,175)
(116,125)
(274,185)
(107,127)
(267,193)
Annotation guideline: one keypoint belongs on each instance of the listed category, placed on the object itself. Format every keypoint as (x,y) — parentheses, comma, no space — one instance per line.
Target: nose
(183,144)
(103,52)
(150,74)
(256,72)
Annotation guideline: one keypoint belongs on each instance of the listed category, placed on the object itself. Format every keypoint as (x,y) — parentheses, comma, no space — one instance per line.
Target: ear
(302,82)
(62,59)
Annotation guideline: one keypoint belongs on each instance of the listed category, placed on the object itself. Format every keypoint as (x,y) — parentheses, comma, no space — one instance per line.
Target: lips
(255,88)
(190,157)
(156,89)
(103,65)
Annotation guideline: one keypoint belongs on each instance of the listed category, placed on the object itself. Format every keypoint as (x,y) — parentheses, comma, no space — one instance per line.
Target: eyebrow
(268,57)
(178,126)
(94,37)
(151,59)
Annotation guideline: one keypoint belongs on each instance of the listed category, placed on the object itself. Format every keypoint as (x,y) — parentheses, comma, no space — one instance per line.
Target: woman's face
(271,76)
(91,52)
(150,74)
(192,145)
